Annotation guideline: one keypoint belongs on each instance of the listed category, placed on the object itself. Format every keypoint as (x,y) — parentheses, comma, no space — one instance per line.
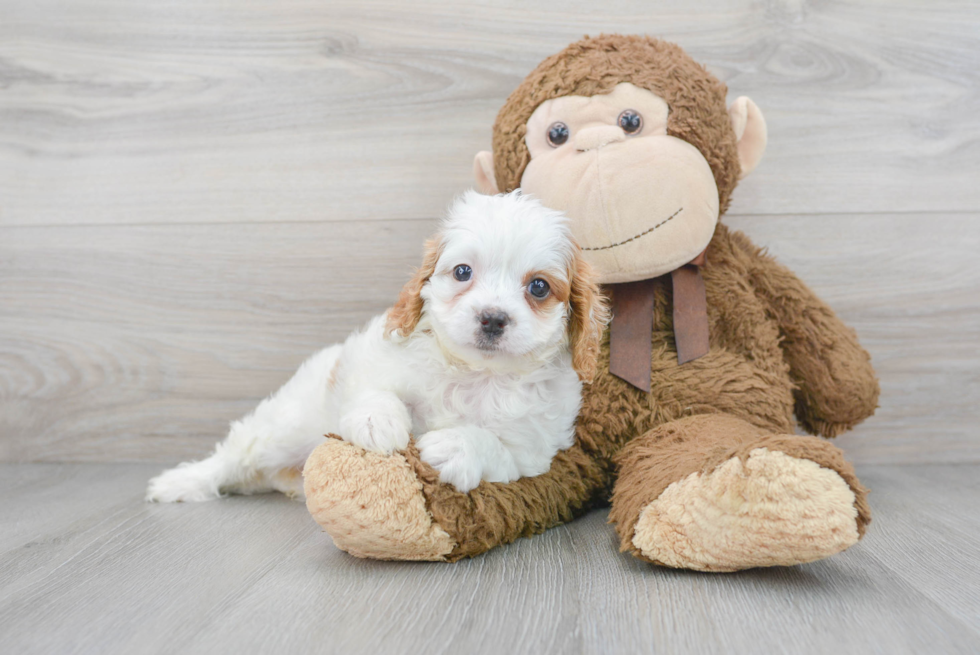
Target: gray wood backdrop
(196,194)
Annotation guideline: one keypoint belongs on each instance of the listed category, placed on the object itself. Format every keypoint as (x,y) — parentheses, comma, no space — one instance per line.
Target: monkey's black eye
(538,288)
(557,134)
(463,272)
(630,121)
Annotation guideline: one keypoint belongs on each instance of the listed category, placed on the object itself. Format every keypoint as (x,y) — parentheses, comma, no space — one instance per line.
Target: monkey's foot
(714,493)
(372,505)
(773,510)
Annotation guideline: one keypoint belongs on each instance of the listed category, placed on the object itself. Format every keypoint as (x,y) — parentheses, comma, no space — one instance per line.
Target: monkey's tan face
(641,203)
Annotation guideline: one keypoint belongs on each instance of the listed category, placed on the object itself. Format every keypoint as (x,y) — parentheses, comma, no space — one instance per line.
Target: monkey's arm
(396,506)
(836,386)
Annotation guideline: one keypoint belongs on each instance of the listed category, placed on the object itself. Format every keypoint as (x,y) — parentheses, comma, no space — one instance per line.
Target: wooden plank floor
(87,567)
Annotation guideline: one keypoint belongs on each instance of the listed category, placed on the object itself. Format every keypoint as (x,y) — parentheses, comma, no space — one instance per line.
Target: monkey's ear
(486,181)
(750,132)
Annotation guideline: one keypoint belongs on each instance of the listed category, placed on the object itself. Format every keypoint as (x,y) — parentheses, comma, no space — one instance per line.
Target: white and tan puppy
(481,359)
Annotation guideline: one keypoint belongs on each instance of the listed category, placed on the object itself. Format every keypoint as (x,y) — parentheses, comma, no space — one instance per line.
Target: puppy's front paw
(453,456)
(380,423)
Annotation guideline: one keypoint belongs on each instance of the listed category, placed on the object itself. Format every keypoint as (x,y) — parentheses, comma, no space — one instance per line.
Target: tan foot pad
(775,510)
(371,504)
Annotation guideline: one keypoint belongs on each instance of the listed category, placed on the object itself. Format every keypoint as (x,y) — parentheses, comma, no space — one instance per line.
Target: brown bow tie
(630,346)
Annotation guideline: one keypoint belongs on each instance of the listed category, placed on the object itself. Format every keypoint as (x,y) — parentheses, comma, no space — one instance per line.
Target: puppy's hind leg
(194,481)
(266,450)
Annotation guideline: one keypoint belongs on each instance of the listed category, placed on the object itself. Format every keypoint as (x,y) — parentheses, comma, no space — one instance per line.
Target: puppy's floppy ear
(407,312)
(589,316)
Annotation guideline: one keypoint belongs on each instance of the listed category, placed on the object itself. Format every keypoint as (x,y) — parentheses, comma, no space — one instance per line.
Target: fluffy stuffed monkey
(688,429)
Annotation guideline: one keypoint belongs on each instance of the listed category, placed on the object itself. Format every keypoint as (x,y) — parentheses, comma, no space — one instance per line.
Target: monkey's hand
(836,387)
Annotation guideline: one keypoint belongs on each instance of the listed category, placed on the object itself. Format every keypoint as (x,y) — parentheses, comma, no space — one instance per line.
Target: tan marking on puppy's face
(558,290)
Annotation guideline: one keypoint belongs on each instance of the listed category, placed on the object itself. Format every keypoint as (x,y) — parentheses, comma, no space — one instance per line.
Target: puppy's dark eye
(630,121)
(538,288)
(463,273)
(557,134)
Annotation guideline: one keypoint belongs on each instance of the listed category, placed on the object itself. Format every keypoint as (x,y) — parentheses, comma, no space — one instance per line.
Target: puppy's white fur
(484,404)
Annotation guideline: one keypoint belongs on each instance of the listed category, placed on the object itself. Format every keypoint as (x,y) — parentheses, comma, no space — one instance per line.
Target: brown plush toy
(688,427)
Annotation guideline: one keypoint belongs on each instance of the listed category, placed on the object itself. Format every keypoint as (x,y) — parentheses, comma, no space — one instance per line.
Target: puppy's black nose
(493,322)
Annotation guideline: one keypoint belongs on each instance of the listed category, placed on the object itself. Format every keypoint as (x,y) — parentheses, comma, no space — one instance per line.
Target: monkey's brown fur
(776,349)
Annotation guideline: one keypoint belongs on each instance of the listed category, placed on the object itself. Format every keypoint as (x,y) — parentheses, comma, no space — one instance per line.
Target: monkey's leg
(715,493)
(393,507)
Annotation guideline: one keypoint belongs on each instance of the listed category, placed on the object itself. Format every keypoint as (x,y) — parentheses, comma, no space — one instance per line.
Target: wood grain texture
(195,197)
(910,286)
(303,110)
(88,567)
(141,343)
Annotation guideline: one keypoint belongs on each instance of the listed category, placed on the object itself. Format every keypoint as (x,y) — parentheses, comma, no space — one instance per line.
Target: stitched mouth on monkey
(639,208)
(636,236)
